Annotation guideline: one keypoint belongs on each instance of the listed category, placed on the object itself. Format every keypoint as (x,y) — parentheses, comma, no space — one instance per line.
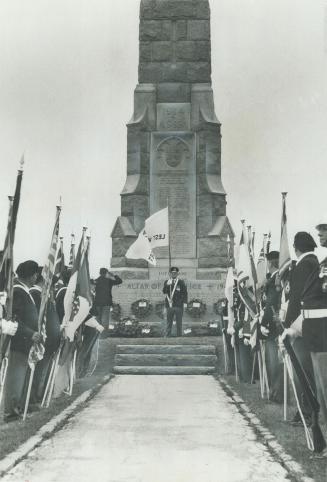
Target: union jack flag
(60,261)
(49,269)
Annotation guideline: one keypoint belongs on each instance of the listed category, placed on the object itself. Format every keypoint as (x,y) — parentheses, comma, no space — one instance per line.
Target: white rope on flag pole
(264,367)
(225,353)
(30,381)
(285,390)
(96,358)
(262,389)
(3,376)
(46,391)
(306,430)
(55,371)
(253,366)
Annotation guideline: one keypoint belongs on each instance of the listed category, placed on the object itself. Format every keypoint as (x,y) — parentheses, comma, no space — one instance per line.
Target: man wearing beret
(176,295)
(306,268)
(311,323)
(268,328)
(26,315)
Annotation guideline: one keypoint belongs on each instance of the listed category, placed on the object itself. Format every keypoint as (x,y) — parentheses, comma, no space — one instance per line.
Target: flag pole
(169,248)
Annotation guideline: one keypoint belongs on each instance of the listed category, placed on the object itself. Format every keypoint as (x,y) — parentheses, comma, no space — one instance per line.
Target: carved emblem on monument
(173,152)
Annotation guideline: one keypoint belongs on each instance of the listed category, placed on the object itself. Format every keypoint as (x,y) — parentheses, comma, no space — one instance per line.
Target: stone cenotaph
(174,153)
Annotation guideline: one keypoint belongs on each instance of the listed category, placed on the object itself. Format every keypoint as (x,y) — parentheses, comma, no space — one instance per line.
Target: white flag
(157,229)
(154,235)
(141,249)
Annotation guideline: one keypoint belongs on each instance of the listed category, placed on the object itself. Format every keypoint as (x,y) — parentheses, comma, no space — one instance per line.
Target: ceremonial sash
(170,299)
(22,287)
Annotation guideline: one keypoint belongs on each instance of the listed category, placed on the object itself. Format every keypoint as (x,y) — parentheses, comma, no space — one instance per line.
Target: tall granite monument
(174,153)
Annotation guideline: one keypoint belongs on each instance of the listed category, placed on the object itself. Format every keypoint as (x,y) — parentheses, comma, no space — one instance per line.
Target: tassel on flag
(284,251)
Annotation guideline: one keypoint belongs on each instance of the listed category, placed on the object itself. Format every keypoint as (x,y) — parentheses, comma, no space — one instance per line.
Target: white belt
(319,313)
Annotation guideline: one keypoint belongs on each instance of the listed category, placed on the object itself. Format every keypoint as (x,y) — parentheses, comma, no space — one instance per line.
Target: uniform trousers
(15,383)
(177,313)
(103,315)
(319,361)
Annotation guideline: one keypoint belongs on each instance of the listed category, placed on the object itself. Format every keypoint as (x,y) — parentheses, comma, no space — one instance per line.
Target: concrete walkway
(153,429)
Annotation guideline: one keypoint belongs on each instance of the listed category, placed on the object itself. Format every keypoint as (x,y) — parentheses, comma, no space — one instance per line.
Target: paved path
(153,429)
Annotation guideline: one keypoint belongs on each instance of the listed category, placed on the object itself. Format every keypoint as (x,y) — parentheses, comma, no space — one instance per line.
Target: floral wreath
(116,311)
(196,308)
(141,308)
(221,303)
(128,326)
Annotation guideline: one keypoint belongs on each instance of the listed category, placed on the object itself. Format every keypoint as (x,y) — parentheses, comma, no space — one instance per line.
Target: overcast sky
(68,72)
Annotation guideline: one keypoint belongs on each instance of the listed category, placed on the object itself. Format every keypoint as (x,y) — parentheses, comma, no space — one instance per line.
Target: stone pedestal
(174,155)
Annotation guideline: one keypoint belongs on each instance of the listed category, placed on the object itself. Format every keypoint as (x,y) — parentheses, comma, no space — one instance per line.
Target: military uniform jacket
(272,302)
(180,293)
(314,330)
(306,268)
(26,314)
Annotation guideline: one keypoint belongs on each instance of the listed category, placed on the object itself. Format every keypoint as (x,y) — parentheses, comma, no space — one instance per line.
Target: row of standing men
(303,312)
(23,333)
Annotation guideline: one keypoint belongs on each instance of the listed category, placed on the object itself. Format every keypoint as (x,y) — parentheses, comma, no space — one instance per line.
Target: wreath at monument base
(141,308)
(219,306)
(128,326)
(160,310)
(115,311)
(196,308)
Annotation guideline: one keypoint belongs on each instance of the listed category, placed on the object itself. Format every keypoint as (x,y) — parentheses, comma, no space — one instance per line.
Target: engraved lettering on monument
(174,117)
(173,178)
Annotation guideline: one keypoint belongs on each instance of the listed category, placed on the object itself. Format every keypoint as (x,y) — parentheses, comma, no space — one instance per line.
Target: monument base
(205,287)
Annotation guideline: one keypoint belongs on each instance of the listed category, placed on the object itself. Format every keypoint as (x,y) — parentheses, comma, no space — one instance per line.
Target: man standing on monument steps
(176,295)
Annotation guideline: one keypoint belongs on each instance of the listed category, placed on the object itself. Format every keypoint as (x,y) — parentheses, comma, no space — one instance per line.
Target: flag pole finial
(21,163)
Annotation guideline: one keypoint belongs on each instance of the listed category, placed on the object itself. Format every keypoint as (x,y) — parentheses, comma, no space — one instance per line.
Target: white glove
(230,331)
(8,327)
(246,342)
(264,330)
(291,332)
(169,282)
(92,323)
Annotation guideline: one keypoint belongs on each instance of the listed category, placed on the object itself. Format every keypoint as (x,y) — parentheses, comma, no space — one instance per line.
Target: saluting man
(176,295)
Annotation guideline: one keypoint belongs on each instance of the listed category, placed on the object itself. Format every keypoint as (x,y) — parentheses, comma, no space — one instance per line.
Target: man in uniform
(103,295)
(176,296)
(269,331)
(26,315)
(306,268)
(311,323)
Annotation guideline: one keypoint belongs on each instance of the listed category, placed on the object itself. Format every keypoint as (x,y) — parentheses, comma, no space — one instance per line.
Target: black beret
(27,269)
(304,242)
(174,268)
(272,255)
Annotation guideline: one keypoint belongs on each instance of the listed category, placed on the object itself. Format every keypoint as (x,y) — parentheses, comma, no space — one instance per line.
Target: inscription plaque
(174,117)
(173,177)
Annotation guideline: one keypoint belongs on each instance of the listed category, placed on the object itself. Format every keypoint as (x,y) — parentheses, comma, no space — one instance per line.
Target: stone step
(165,360)
(166,370)
(167,349)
